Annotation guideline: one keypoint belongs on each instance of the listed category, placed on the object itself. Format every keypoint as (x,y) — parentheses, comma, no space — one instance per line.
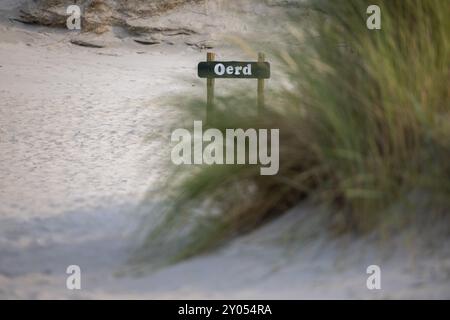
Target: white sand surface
(75,164)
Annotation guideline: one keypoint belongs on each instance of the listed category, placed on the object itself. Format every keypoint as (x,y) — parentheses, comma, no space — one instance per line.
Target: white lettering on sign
(247,70)
(220,70)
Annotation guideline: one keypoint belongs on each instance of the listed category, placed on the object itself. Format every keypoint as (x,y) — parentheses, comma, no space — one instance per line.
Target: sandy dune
(75,164)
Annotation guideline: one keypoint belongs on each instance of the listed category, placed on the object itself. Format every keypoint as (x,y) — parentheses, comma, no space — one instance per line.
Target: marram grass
(364,124)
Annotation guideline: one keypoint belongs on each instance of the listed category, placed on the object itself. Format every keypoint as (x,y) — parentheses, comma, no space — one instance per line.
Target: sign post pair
(212,69)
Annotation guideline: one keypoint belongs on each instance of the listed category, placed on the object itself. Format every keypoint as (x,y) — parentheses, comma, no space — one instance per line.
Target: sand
(83,137)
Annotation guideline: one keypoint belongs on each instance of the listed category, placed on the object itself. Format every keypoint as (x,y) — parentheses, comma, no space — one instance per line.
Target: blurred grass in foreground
(364,125)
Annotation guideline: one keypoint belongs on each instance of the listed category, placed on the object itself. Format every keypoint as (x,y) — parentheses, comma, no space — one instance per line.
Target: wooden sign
(232,70)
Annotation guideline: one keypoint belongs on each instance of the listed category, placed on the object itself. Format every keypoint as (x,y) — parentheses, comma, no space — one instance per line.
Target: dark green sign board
(234,69)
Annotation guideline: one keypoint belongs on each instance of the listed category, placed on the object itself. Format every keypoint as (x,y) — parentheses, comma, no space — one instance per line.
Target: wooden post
(210,56)
(261,58)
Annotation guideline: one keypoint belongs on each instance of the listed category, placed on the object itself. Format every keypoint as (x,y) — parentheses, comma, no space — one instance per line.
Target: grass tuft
(364,124)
